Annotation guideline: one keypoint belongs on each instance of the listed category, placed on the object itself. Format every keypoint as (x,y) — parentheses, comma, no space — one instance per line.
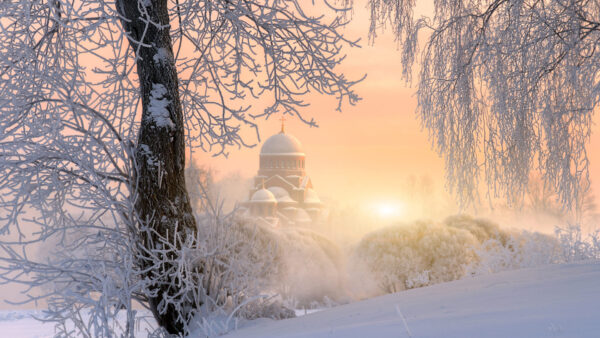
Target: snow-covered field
(15,323)
(549,301)
(21,324)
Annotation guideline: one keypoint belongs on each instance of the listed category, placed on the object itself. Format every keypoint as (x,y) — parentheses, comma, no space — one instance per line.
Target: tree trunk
(162,200)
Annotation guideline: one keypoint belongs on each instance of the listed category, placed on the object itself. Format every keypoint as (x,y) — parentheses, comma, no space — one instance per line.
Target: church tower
(282,189)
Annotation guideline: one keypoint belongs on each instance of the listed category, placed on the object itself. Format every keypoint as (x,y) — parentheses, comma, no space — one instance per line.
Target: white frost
(161,56)
(158,106)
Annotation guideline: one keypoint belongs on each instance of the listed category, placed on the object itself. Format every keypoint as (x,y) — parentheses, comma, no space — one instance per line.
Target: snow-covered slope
(549,301)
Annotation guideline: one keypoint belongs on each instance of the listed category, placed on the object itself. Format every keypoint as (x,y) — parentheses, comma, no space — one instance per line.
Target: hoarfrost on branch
(86,174)
(505,87)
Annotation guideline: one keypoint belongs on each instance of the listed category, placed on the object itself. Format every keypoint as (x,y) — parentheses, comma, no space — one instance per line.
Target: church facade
(282,192)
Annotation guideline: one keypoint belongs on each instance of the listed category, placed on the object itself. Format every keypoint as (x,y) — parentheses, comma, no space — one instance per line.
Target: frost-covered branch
(505,88)
(99,102)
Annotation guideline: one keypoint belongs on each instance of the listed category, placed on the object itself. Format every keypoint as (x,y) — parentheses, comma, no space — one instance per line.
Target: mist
(365,250)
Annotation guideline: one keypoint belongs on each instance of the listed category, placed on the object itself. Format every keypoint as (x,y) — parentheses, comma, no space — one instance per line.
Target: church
(282,192)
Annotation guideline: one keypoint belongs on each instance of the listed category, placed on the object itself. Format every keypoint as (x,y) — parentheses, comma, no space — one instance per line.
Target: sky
(366,153)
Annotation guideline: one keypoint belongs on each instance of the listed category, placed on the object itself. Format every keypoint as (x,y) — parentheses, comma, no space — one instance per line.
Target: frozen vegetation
(308,271)
(280,269)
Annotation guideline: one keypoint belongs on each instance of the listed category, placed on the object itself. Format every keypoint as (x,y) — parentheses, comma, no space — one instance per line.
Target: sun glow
(389,209)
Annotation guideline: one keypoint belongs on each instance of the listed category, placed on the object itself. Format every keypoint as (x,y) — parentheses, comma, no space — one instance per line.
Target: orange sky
(365,153)
(367,150)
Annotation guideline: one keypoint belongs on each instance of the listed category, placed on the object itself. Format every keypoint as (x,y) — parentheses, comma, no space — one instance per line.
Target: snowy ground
(549,301)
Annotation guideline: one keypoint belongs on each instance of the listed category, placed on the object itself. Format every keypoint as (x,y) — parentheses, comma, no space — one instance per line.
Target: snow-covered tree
(99,101)
(505,87)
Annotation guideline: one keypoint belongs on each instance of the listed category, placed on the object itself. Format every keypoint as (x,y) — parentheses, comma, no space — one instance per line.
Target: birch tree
(99,101)
(505,87)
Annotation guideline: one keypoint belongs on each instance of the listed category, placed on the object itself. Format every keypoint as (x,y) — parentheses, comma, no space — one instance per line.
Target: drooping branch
(505,88)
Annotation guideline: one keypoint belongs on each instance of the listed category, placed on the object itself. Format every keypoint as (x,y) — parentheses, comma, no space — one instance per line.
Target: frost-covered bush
(418,254)
(94,288)
(529,249)
(296,266)
(238,261)
(424,253)
(312,268)
(575,247)
(481,228)
(517,250)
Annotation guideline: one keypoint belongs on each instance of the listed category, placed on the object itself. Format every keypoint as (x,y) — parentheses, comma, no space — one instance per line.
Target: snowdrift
(547,301)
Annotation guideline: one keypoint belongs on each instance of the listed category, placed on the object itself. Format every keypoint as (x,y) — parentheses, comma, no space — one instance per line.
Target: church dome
(263,196)
(281,195)
(282,144)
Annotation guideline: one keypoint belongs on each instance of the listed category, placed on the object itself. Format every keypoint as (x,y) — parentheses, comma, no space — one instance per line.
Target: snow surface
(20,323)
(161,56)
(158,106)
(548,301)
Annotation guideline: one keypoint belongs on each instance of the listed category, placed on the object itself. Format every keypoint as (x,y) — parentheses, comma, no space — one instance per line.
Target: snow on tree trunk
(162,201)
(102,188)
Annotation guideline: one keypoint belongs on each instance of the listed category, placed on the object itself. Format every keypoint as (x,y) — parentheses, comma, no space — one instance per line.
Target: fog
(421,238)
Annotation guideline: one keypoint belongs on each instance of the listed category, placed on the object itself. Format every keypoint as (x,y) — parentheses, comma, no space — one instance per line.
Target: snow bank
(548,301)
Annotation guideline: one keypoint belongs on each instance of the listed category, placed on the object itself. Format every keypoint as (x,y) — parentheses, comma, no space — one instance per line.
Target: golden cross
(283,119)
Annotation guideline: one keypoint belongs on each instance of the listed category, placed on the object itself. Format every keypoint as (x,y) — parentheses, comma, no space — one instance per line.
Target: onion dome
(282,144)
(281,195)
(263,196)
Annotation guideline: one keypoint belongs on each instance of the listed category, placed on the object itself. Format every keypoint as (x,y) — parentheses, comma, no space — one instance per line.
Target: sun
(389,209)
